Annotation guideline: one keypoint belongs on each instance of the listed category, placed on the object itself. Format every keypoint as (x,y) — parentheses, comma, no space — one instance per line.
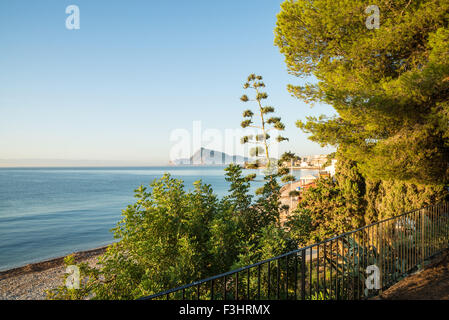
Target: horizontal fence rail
(352,266)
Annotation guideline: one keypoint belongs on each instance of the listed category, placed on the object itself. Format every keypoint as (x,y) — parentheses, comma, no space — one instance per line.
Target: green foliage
(294,193)
(334,206)
(325,206)
(86,287)
(390,89)
(170,237)
(248,114)
(328,162)
(288,178)
(300,227)
(390,86)
(388,198)
(350,201)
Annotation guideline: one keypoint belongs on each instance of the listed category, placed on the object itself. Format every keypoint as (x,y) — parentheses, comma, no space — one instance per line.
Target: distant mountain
(207,157)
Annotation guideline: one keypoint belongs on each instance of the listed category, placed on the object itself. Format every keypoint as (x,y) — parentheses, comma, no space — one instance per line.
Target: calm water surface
(50,212)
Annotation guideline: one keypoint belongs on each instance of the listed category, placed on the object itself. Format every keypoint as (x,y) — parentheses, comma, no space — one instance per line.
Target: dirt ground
(432,283)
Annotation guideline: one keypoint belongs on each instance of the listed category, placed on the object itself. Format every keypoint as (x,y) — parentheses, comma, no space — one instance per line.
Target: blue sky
(115,89)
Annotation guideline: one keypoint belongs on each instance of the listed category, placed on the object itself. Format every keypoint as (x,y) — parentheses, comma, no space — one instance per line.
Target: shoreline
(34,280)
(51,263)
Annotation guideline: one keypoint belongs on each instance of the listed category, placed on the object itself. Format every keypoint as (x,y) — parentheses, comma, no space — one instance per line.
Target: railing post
(380,243)
(303,274)
(422,238)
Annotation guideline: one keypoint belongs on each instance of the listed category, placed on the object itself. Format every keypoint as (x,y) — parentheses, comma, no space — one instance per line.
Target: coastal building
(313,161)
(296,162)
(331,168)
(303,165)
(318,160)
(303,181)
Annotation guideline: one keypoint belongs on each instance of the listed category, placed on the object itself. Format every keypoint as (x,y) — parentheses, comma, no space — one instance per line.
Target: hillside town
(291,193)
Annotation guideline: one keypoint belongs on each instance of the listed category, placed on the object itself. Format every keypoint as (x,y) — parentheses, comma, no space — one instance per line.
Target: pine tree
(390,86)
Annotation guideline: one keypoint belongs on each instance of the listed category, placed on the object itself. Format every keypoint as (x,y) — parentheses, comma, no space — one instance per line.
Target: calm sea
(50,212)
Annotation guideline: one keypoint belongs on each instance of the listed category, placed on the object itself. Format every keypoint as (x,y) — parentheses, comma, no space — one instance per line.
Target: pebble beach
(31,281)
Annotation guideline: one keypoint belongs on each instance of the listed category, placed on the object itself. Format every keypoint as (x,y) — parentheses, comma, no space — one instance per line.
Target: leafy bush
(170,237)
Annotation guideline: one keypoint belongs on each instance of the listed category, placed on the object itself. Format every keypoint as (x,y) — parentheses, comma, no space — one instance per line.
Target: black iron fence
(355,265)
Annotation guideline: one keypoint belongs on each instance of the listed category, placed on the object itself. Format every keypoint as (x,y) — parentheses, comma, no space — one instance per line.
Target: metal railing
(352,266)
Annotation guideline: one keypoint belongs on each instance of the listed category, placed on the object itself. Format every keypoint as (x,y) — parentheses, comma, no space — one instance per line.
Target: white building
(331,168)
(304,164)
(306,180)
